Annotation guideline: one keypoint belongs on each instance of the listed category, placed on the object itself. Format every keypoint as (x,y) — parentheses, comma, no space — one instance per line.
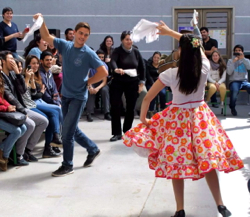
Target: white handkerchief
(146,29)
(130,72)
(37,25)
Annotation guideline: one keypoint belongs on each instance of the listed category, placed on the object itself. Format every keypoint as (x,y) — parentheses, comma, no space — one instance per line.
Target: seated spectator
(13,131)
(238,76)
(14,87)
(51,94)
(19,65)
(151,76)
(217,77)
(56,67)
(32,100)
(35,47)
(69,34)
(94,89)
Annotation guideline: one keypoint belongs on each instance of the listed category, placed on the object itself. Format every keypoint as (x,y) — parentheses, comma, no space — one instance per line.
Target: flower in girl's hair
(195,42)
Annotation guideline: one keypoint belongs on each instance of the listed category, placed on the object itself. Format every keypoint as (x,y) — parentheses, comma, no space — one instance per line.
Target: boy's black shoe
(91,158)
(62,171)
(56,149)
(57,141)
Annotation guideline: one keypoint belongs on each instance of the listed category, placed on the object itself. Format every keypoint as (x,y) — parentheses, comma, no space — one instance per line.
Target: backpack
(169,61)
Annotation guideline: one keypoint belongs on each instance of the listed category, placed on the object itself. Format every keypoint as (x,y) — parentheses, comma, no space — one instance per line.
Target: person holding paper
(9,31)
(125,58)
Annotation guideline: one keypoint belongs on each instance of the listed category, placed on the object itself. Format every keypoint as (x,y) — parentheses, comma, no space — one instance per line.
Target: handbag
(15,118)
(170,61)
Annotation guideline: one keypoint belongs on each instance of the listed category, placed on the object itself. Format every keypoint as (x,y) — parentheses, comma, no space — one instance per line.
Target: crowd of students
(35,90)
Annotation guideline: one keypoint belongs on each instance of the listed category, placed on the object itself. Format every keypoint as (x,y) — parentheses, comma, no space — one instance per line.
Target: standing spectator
(9,31)
(14,87)
(78,58)
(13,131)
(238,75)
(210,45)
(217,77)
(101,87)
(125,57)
(152,75)
(69,34)
(36,47)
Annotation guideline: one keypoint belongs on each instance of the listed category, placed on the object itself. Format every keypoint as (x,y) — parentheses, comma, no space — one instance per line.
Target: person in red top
(13,131)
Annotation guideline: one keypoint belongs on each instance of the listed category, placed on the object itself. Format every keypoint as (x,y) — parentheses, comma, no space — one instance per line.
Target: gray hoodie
(238,71)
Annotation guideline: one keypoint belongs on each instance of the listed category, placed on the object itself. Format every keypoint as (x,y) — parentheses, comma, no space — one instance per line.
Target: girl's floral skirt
(183,143)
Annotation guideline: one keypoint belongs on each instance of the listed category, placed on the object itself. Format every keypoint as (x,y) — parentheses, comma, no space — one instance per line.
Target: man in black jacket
(14,87)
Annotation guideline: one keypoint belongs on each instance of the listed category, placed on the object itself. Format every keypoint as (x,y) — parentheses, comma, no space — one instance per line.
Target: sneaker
(57,141)
(21,161)
(107,117)
(62,171)
(56,149)
(89,118)
(91,158)
(29,157)
(49,153)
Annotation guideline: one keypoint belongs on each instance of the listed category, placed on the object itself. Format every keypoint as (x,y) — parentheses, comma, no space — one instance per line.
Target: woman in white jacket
(217,77)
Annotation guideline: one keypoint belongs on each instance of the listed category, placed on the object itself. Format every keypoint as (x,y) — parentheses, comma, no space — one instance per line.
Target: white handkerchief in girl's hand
(130,72)
(146,29)
(37,25)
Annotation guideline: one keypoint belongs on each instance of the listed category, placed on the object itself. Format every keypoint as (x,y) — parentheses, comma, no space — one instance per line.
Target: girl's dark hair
(124,34)
(1,82)
(103,44)
(190,65)
(239,46)
(32,44)
(156,52)
(221,62)
(37,76)
(17,62)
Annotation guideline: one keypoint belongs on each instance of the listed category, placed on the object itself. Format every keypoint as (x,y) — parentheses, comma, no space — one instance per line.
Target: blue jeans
(14,133)
(72,110)
(235,87)
(162,96)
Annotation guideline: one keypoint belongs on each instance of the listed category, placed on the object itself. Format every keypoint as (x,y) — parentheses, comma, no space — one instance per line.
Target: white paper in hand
(146,29)
(130,72)
(37,25)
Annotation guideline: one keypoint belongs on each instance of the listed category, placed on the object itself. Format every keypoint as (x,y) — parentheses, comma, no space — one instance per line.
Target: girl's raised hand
(163,29)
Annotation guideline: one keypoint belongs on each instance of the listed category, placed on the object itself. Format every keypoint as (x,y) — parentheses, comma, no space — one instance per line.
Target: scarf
(214,65)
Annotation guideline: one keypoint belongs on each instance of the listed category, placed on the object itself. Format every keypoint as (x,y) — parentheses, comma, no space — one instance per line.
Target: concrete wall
(113,16)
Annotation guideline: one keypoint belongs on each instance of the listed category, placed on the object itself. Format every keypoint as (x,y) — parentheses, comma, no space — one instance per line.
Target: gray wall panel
(119,15)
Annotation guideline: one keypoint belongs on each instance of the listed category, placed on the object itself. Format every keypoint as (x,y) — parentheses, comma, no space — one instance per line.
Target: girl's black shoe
(180,213)
(224,211)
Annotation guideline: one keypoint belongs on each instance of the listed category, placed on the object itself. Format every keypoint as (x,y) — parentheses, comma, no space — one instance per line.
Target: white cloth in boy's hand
(146,29)
(37,25)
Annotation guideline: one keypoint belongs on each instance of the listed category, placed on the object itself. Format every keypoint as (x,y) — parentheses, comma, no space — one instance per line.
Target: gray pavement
(119,184)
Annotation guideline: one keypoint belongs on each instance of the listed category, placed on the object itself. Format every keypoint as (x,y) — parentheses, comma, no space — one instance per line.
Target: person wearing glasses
(128,78)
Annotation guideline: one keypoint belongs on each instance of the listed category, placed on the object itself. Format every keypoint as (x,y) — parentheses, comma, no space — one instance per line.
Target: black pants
(130,90)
